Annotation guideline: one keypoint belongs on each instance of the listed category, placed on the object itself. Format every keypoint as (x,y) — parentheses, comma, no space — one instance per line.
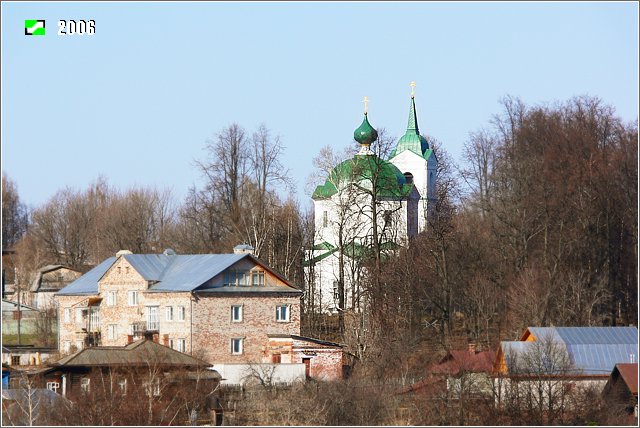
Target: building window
(84,384)
(53,386)
(122,384)
(325,219)
(408,177)
(153,324)
(15,360)
(112,331)
(79,344)
(236,313)
(133,298)
(169,313)
(236,346)
(180,313)
(67,314)
(387,217)
(126,270)
(111,298)
(235,278)
(257,278)
(181,345)
(282,313)
(171,344)
(153,387)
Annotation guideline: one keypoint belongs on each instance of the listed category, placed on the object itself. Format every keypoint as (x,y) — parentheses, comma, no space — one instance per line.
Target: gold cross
(413,85)
(366,103)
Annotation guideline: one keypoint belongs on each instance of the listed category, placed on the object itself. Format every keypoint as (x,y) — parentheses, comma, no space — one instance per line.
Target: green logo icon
(34,27)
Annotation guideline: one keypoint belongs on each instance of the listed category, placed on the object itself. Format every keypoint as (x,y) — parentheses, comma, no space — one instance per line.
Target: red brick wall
(213,328)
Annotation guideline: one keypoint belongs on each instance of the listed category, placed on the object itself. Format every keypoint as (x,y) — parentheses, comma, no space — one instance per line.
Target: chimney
(472,348)
(129,338)
(243,249)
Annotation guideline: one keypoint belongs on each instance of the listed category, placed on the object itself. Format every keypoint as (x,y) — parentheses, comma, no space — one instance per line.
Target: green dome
(365,134)
(364,170)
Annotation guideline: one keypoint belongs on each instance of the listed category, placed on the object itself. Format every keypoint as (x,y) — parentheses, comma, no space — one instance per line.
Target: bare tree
(15,216)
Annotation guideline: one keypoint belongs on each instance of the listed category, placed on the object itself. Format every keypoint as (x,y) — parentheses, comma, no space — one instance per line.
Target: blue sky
(137,101)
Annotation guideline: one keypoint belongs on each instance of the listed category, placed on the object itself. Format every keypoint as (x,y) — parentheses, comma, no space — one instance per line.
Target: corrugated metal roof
(597,335)
(87,284)
(179,273)
(592,350)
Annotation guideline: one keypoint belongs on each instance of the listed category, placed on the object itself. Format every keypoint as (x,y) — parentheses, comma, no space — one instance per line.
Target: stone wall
(213,328)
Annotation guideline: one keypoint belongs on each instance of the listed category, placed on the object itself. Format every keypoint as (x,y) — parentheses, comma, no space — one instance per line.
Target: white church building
(398,193)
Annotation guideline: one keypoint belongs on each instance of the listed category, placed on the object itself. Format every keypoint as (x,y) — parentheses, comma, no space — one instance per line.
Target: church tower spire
(412,126)
(412,140)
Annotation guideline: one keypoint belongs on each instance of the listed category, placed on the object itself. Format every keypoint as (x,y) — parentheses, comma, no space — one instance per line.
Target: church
(368,203)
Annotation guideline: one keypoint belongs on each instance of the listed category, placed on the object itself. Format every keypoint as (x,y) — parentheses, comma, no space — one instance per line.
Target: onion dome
(365,134)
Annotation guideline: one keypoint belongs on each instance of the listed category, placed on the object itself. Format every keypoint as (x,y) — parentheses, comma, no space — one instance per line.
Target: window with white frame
(153,387)
(84,384)
(180,313)
(111,298)
(282,313)
(171,344)
(132,298)
(181,345)
(153,322)
(112,331)
(67,314)
(236,313)
(236,345)
(122,384)
(169,313)
(53,386)
(257,278)
(79,344)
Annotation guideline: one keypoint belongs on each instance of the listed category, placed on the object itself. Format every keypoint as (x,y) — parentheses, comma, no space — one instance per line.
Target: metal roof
(187,272)
(87,284)
(629,374)
(141,352)
(588,335)
(592,350)
(177,273)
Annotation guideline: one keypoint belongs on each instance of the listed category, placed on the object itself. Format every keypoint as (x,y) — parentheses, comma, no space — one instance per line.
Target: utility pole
(17,286)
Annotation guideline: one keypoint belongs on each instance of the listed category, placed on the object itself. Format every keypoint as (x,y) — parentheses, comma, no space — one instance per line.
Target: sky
(137,101)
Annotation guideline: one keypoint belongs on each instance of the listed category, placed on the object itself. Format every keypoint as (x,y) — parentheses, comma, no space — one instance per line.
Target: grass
(25,339)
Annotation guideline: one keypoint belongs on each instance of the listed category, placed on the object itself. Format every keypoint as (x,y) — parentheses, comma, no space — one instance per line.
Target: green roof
(352,250)
(365,134)
(389,180)
(412,140)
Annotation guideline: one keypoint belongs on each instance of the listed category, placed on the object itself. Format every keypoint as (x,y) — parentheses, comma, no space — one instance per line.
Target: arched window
(409,177)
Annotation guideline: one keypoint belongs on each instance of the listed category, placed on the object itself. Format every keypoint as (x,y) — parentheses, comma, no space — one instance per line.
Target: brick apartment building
(221,307)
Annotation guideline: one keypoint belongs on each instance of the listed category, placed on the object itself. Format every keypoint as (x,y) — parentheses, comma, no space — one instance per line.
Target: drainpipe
(191,322)
(64,385)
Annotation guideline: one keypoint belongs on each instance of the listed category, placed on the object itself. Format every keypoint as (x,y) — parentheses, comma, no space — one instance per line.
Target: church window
(325,219)
(387,217)
(408,177)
